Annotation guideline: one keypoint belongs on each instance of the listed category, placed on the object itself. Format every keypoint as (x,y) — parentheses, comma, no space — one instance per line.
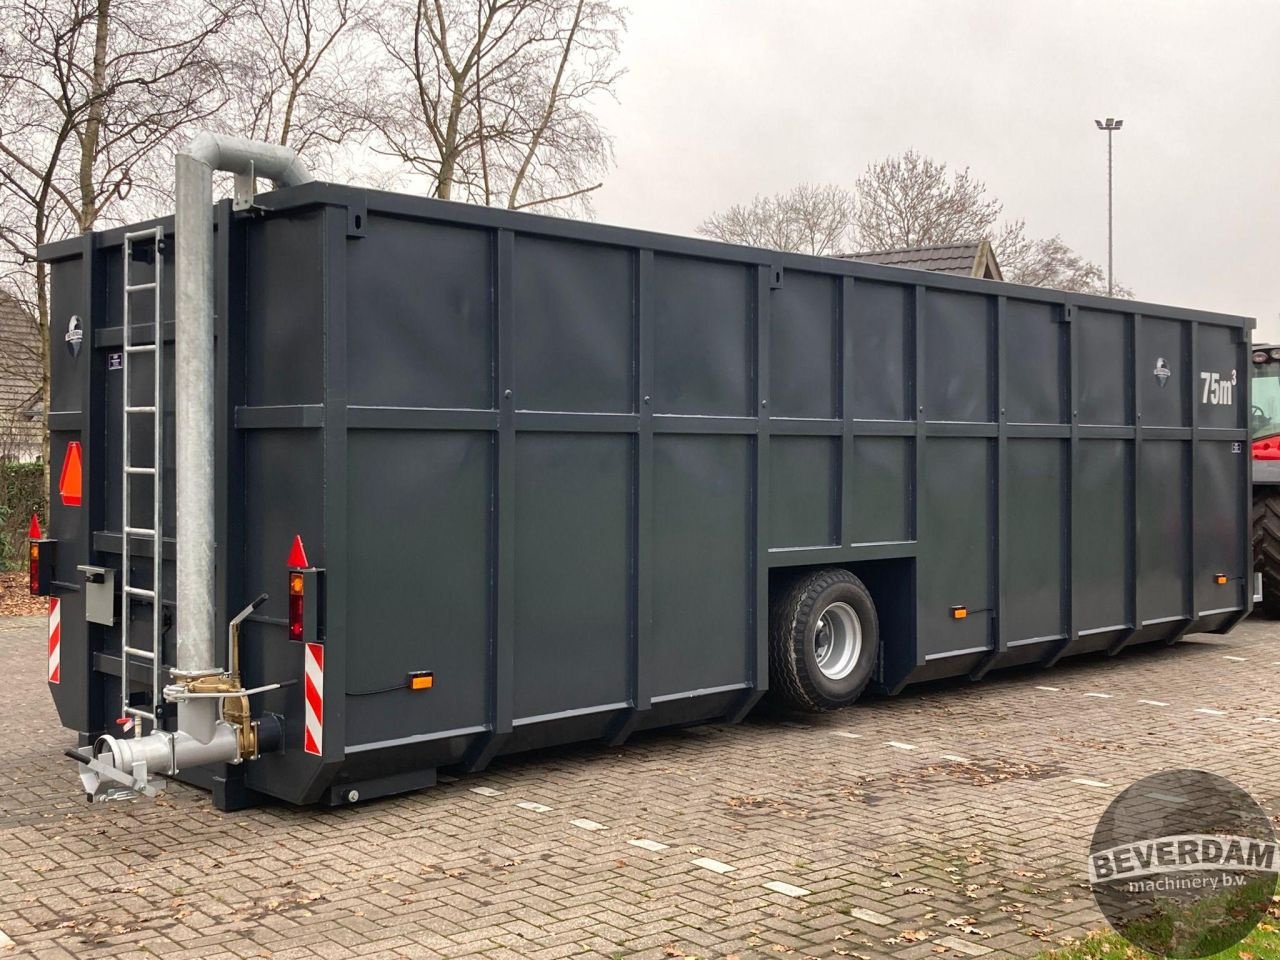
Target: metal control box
(99,594)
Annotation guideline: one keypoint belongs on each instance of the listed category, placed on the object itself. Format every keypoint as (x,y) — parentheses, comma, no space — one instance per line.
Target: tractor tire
(1266,548)
(824,641)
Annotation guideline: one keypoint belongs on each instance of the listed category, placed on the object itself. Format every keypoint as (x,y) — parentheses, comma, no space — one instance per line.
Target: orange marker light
(1220,579)
(959,613)
(421,681)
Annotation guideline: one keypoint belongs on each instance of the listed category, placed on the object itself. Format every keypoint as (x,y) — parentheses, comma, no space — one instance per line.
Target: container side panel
(804,347)
(955,563)
(573,327)
(1037,367)
(702,575)
(804,491)
(1162,536)
(420,316)
(283,497)
(419,580)
(1216,387)
(883,472)
(1100,517)
(958,373)
(66,283)
(883,352)
(1220,525)
(573,567)
(79,693)
(283,342)
(703,337)
(1105,368)
(1033,587)
(1165,399)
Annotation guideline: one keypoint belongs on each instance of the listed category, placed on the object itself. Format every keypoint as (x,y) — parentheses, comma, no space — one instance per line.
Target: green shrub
(21,495)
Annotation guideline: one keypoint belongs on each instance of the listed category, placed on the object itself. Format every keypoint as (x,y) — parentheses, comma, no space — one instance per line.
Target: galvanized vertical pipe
(194,371)
(193,402)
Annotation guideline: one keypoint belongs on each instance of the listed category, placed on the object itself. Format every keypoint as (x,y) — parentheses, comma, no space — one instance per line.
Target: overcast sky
(724,99)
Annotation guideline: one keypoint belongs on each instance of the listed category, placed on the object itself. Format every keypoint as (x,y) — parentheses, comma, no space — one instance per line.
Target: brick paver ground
(951,821)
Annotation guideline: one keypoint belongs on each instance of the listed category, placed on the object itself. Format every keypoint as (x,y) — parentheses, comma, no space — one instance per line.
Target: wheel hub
(837,641)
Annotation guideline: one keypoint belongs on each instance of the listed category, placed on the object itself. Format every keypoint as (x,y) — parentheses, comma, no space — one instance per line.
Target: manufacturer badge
(1162,371)
(75,334)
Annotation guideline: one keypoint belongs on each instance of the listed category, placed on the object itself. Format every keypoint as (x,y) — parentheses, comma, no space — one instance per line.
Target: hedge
(21,495)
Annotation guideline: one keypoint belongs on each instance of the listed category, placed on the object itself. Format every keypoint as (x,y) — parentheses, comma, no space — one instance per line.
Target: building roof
(975,259)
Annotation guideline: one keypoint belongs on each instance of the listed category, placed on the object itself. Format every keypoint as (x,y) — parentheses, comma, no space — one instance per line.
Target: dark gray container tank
(562,466)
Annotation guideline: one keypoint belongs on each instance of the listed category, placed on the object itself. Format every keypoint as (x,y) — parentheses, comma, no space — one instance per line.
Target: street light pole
(1110,125)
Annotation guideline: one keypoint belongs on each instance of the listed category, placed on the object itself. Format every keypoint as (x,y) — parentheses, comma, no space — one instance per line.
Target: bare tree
(816,219)
(295,75)
(491,100)
(91,91)
(913,201)
(1051,263)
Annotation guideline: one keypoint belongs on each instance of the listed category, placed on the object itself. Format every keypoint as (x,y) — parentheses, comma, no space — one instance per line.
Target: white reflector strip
(55,640)
(313,693)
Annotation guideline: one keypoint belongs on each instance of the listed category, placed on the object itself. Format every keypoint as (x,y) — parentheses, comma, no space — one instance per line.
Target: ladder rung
(135,652)
(137,287)
(140,592)
(140,531)
(140,348)
(135,712)
(150,233)
(150,410)
(144,471)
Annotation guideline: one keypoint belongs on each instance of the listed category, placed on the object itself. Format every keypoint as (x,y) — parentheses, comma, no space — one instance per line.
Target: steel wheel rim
(837,641)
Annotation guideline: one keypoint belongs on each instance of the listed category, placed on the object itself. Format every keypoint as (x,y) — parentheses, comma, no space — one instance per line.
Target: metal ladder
(130,592)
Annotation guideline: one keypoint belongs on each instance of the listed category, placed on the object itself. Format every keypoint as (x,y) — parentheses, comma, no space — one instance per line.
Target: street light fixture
(1110,125)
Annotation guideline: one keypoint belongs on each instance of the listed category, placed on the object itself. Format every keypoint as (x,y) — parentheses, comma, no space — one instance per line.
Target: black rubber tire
(1266,548)
(794,677)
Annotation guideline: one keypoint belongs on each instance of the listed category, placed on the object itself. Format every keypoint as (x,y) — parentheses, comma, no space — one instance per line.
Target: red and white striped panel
(313,693)
(55,640)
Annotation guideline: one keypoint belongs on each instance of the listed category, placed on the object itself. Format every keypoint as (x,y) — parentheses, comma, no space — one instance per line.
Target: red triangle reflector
(34,532)
(70,481)
(298,555)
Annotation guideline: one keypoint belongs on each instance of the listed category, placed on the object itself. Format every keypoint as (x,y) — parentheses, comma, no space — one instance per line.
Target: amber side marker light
(422,680)
(1219,578)
(959,613)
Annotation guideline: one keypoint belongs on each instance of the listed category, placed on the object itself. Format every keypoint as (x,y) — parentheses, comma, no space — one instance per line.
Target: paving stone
(713,865)
(786,889)
(966,947)
(871,916)
(653,846)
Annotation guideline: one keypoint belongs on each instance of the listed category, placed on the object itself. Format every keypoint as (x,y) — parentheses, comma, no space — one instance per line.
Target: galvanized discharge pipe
(193,369)
(201,737)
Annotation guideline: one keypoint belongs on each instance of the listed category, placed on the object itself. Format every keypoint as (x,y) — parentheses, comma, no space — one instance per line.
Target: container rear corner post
(555,481)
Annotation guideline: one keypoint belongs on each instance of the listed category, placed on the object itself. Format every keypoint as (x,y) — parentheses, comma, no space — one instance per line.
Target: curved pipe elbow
(238,155)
